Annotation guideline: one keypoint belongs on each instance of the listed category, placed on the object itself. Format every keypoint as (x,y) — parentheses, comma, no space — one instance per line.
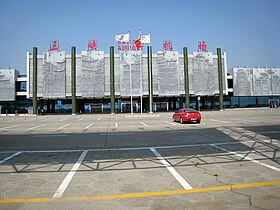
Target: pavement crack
(205,171)
(248,196)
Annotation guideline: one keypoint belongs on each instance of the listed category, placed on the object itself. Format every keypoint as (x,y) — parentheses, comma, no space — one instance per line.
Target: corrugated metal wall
(53,75)
(93,74)
(256,81)
(8,84)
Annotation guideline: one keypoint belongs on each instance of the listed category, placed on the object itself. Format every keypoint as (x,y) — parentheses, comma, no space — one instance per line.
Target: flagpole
(141,79)
(150,85)
(131,105)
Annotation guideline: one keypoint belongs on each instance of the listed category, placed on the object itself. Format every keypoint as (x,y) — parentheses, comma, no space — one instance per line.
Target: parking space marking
(70,175)
(9,127)
(264,132)
(116,125)
(38,126)
(170,123)
(247,158)
(10,157)
(115,134)
(49,135)
(220,121)
(185,131)
(81,119)
(177,176)
(144,124)
(99,118)
(130,148)
(63,126)
(89,125)
(145,194)
(63,119)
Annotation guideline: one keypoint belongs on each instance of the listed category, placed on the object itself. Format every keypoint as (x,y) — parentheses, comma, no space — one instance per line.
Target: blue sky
(248,30)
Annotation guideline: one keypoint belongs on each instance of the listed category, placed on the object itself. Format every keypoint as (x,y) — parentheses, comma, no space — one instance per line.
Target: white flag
(145,39)
(122,37)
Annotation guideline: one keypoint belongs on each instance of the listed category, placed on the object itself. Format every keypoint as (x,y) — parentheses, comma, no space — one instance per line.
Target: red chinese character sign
(92,45)
(131,45)
(54,45)
(202,46)
(167,45)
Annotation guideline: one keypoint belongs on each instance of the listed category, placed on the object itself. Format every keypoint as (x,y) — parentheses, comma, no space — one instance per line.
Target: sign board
(126,46)
(202,46)
(167,45)
(92,45)
(54,45)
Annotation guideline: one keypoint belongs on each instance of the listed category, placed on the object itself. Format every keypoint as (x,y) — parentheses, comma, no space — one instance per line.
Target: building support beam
(34,82)
(112,79)
(73,80)
(186,78)
(220,73)
(150,79)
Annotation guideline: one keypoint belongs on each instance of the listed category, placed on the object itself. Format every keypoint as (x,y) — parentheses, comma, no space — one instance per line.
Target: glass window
(21,86)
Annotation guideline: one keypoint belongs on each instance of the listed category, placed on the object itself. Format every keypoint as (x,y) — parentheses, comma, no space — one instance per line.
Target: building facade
(13,91)
(255,87)
(130,80)
(172,81)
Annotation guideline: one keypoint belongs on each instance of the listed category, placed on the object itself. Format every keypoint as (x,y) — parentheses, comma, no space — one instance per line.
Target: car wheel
(173,118)
(198,122)
(181,120)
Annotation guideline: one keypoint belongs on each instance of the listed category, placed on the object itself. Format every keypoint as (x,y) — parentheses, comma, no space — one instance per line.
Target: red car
(187,115)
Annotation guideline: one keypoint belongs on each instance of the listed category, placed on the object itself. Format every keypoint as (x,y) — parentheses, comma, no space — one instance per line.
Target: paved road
(229,161)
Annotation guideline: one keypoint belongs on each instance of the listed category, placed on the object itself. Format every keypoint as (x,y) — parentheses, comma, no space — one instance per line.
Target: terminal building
(13,91)
(131,80)
(165,82)
(255,87)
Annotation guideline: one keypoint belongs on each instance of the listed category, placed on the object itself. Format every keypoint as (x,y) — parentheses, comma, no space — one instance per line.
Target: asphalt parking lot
(122,161)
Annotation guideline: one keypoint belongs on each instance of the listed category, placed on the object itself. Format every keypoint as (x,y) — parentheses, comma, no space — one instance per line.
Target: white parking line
(8,158)
(220,121)
(144,124)
(81,119)
(177,176)
(99,118)
(116,125)
(68,178)
(129,148)
(269,132)
(36,127)
(170,123)
(63,126)
(9,127)
(246,158)
(63,119)
(89,125)
(49,135)
(115,134)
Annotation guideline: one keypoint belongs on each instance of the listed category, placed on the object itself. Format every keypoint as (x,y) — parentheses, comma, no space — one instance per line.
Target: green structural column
(112,79)
(220,73)
(186,77)
(73,80)
(34,83)
(150,78)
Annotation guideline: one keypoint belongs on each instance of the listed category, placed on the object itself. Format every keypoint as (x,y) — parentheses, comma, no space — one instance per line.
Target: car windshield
(189,110)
